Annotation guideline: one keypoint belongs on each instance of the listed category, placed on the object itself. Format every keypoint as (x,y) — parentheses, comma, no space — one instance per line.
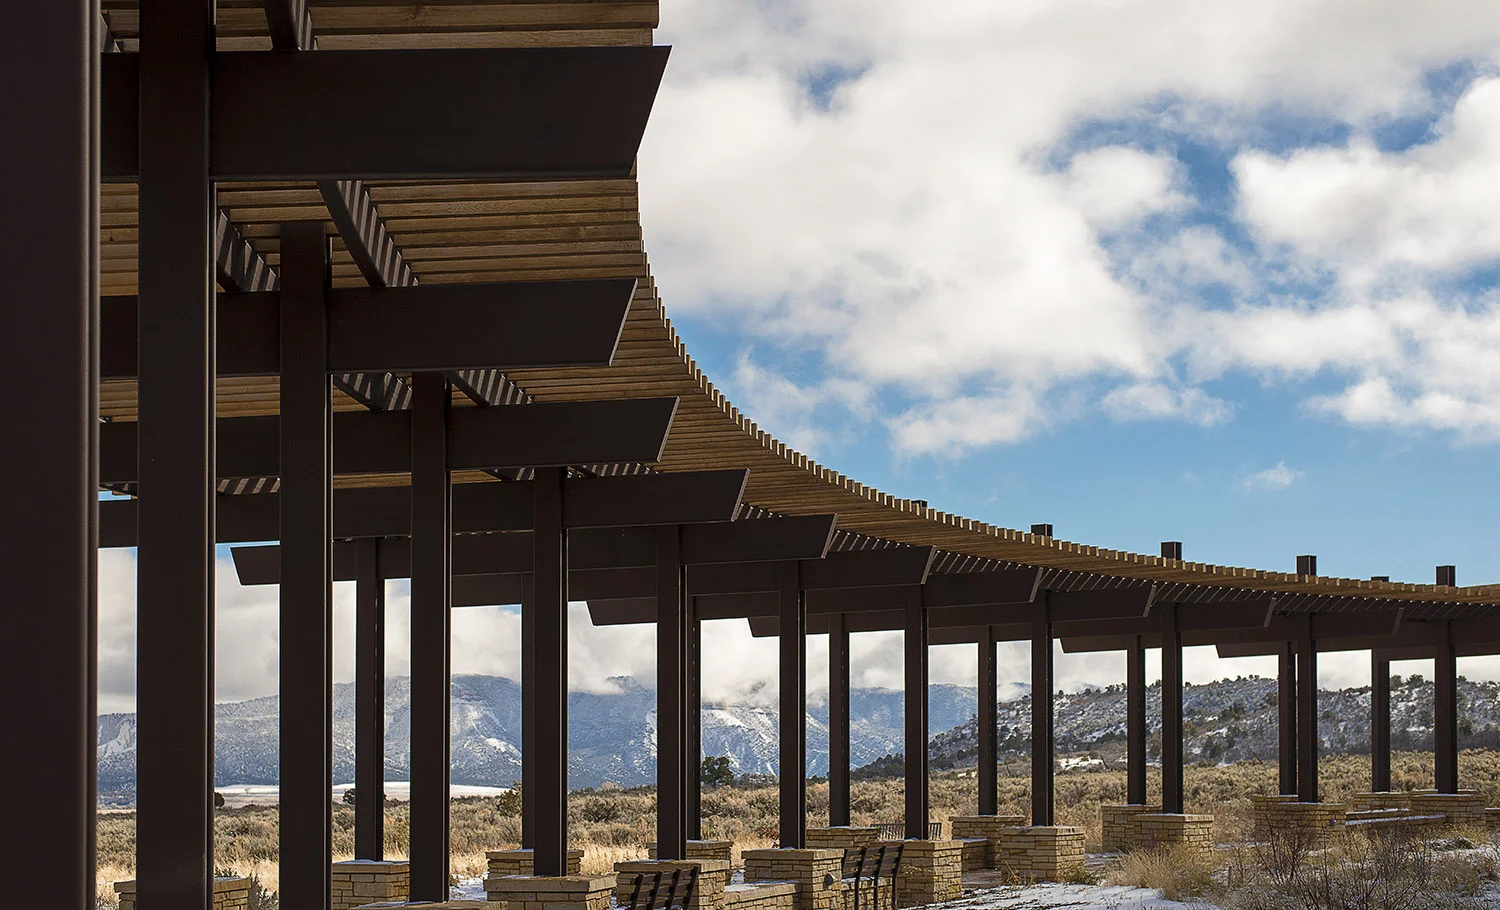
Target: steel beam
(838,721)
(49,257)
(1445,714)
(549,434)
(440,327)
(175,340)
(306,627)
(986,717)
(1286,716)
(793,697)
(550,776)
(1307,714)
(671,639)
(1380,723)
(914,648)
(565,113)
(432,533)
(369,704)
(1171,711)
(1135,722)
(1042,745)
(693,729)
(593,502)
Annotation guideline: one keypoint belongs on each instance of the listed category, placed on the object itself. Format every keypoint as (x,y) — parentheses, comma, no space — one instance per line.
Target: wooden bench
(669,901)
(871,864)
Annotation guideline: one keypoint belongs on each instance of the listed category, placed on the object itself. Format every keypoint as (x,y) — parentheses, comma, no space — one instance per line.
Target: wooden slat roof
(487,231)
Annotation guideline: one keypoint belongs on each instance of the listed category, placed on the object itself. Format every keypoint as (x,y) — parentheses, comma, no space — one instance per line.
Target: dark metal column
(175,521)
(1042,750)
(529,739)
(1286,716)
(838,720)
(793,615)
(431,564)
(693,732)
(1380,723)
(1171,709)
(671,635)
(550,778)
(306,637)
(49,57)
(1307,715)
(1135,722)
(1445,714)
(985,717)
(369,703)
(915,646)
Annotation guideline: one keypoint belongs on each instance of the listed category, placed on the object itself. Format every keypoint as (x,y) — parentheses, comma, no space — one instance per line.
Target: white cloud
(933,232)
(1157,401)
(1278,477)
(1364,212)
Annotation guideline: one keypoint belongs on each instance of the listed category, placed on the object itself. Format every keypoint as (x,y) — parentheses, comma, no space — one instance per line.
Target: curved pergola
(437,341)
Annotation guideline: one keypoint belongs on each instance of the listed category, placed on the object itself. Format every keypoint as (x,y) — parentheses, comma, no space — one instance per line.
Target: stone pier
(931,872)
(817,874)
(359,882)
(1194,833)
(979,834)
(701,849)
(1384,799)
(1041,853)
(230,893)
(1465,807)
(562,892)
(1119,825)
(519,862)
(1284,814)
(841,837)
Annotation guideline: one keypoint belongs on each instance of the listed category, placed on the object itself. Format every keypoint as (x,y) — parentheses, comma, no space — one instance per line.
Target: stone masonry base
(841,837)
(359,882)
(519,862)
(230,893)
(701,849)
(566,892)
(1194,833)
(1039,853)
(1119,825)
(931,871)
(978,834)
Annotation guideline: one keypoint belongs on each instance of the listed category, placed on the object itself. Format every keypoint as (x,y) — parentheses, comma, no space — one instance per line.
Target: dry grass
(1176,872)
(616,824)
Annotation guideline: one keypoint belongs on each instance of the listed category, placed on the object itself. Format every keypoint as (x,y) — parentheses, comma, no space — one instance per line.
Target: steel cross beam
(438,328)
(468,113)
(549,434)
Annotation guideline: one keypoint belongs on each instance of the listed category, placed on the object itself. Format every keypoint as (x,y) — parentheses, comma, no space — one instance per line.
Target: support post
(1445,714)
(306,503)
(1380,723)
(51,337)
(693,732)
(1135,722)
(793,645)
(550,543)
(529,740)
(176,408)
(838,721)
(369,703)
(1171,709)
(1042,752)
(671,617)
(1286,716)
(1307,715)
(915,694)
(985,717)
(431,561)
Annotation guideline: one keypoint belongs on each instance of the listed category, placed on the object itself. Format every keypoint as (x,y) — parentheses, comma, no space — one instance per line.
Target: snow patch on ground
(1049,896)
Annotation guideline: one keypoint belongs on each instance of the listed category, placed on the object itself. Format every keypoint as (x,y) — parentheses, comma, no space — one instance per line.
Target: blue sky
(1146,270)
